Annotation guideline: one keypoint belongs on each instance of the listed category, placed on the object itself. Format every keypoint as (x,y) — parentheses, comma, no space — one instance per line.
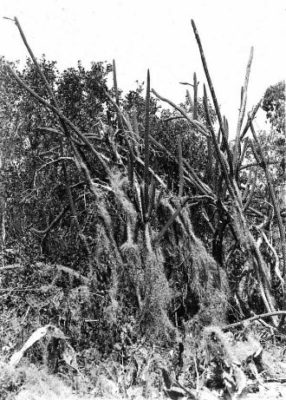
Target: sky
(157,34)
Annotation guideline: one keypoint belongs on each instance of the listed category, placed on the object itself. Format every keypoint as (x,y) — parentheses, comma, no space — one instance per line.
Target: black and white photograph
(142,200)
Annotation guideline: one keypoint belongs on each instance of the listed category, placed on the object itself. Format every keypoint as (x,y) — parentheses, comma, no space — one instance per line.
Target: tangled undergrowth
(207,364)
(130,238)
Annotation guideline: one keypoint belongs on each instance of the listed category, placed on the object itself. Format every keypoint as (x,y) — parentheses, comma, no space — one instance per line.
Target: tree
(274,106)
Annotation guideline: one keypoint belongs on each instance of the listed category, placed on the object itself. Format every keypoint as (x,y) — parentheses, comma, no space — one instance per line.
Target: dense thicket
(122,220)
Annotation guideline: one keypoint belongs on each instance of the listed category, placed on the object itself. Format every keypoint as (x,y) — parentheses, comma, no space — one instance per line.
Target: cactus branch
(236,154)
(211,87)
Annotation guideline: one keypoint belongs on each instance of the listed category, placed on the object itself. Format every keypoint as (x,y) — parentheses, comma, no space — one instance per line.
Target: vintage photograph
(142,200)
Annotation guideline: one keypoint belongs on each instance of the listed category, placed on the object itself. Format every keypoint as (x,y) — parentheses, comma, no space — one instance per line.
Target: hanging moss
(154,318)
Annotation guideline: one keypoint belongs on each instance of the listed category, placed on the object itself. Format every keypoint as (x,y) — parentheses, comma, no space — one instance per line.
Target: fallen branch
(36,335)
(255,164)
(41,265)
(265,315)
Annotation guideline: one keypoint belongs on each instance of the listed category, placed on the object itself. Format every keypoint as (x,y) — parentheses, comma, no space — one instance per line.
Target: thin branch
(171,220)
(195,200)
(41,265)
(120,125)
(115,82)
(174,118)
(61,134)
(152,198)
(256,212)
(210,164)
(11,266)
(146,146)
(55,162)
(206,218)
(252,192)
(50,130)
(276,266)
(135,123)
(194,124)
(251,117)
(251,319)
(151,171)
(181,169)
(255,164)
(35,62)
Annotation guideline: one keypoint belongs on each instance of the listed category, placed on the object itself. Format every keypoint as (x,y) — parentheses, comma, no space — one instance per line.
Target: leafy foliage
(274,105)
